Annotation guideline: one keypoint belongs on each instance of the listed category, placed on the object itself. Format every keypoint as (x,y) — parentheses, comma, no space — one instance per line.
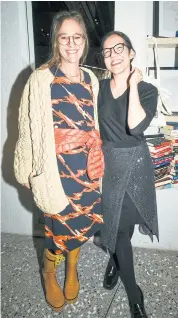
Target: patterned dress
(82,217)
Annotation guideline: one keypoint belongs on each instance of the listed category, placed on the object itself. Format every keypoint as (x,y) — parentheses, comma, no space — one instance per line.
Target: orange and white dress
(83,216)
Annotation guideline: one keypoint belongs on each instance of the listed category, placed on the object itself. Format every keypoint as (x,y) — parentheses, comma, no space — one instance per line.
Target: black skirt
(128,192)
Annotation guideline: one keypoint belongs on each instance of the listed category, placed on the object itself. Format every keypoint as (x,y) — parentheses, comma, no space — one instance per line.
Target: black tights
(113,257)
(124,257)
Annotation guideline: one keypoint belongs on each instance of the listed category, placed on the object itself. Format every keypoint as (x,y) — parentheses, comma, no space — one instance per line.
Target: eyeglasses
(118,49)
(78,39)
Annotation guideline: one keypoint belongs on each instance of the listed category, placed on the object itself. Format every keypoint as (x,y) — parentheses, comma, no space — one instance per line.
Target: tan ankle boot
(72,285)
(54,294)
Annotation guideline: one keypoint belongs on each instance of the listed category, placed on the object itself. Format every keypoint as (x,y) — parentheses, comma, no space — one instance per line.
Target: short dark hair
(123,36)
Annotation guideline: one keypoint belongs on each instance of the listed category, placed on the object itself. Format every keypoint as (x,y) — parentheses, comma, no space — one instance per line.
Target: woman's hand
(27,185)
(135,76)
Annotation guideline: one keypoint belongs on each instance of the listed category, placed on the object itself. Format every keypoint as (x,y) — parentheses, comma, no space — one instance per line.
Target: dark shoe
(138,310)
(111,275)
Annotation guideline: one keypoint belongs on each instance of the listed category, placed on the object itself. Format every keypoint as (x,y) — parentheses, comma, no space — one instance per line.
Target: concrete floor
(22,293)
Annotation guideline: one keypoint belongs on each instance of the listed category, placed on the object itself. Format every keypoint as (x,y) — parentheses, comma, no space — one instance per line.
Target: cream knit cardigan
(35,148)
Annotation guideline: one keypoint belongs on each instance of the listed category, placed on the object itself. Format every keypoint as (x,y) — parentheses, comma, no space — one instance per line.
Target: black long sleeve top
(113,115)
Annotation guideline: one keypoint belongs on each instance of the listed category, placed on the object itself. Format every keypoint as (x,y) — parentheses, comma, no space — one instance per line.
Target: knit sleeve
(23,149)
(148,99)
(95,88)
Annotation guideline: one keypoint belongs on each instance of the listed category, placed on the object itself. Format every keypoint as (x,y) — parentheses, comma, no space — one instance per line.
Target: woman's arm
(142,107)
(95,89)
(136,112)
(23,150)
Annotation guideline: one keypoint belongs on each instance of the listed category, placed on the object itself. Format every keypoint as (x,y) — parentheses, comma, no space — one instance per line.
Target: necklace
(79,73)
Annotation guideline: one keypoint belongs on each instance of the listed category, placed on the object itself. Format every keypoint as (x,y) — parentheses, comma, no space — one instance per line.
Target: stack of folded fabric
(161,150)
(171,133)
(174,170)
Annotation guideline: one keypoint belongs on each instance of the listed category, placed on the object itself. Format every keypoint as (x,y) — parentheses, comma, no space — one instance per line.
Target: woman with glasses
(58,155)
(126,106)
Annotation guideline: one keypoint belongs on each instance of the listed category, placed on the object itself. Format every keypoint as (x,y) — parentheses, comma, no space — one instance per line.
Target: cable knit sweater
(35,148)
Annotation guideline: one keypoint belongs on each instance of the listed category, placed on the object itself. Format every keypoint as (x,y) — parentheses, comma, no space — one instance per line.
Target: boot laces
(59,259)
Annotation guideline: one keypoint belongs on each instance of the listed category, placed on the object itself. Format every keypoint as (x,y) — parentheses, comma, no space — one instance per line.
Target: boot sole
(71,301)
(56,309)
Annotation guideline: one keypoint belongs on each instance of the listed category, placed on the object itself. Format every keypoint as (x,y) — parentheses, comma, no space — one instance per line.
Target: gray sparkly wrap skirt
(128,170)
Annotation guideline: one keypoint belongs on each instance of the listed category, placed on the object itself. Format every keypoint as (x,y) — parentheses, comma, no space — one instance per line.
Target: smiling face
(117,63)
(71,41)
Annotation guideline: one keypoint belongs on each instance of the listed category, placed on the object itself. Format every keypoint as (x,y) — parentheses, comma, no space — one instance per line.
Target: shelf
(163,42)
(171,118)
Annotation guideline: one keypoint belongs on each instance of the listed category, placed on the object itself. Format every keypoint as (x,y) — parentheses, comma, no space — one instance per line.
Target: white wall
(17,209)
(135,19)
(167,203)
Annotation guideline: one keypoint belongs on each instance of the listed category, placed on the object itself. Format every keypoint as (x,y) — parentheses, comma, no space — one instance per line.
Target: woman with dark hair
(126,106)
(58,155)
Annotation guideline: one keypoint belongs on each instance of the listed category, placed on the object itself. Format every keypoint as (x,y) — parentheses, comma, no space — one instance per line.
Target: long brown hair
(58,19)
